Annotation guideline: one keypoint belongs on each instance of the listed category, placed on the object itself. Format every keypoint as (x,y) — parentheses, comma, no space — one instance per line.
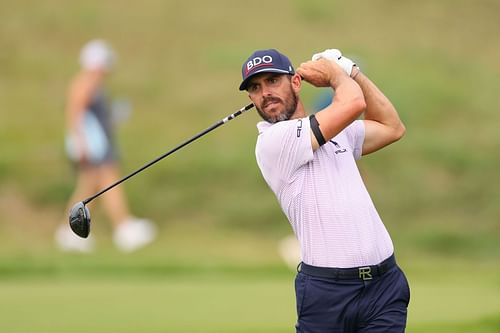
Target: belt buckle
(365,273)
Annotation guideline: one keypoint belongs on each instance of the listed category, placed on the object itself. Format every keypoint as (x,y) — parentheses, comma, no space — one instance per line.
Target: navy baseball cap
(265,61)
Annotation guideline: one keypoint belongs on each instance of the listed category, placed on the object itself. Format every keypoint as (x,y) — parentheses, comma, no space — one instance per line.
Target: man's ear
(296,82)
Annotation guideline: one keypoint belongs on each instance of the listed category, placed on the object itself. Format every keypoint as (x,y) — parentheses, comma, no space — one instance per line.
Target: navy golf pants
(352,305)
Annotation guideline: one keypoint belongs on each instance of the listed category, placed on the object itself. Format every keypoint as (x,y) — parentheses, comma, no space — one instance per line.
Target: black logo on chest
(339,149)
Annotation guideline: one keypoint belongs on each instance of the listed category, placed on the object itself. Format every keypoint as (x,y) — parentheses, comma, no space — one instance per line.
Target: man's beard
(290,105)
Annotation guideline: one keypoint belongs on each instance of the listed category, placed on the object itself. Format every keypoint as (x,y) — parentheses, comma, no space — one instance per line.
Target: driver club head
(79,220)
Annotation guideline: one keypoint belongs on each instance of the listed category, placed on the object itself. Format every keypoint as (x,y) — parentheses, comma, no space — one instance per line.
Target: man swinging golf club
(348,280)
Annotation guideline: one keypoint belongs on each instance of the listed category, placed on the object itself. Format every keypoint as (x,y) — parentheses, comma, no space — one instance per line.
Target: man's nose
(266,91)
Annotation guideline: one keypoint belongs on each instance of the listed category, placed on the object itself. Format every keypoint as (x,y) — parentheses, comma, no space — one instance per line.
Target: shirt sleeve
(282,148)
(355,133)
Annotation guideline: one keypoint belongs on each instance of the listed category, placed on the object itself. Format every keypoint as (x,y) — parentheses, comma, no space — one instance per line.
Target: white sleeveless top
(322,194)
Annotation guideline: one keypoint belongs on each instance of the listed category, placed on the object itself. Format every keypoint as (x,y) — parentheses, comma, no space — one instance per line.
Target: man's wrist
(355,71)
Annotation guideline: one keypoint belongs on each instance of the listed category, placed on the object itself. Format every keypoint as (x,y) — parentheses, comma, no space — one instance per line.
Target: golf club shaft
(209,129)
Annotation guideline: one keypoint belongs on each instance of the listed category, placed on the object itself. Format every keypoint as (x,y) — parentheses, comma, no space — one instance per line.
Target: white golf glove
(335,55)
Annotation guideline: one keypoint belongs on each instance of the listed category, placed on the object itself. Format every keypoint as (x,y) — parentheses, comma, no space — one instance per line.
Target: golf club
(79,215)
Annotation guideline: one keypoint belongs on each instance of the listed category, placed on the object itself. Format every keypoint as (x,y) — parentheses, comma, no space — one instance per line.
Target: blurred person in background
(348,280)
(90,146)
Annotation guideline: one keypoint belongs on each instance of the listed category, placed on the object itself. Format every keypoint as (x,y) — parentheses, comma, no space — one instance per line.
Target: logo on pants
(365,273)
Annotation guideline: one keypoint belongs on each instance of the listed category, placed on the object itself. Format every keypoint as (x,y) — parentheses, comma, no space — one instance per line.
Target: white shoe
(289,250)
(134,234)
(68,241)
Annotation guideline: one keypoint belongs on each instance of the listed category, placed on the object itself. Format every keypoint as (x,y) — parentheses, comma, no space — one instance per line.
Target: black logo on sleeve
(299,127)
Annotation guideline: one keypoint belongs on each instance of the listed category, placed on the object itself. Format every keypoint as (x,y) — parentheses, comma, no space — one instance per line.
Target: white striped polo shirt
(322,193)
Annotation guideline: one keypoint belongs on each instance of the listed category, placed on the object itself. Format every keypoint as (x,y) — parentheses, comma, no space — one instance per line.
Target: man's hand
(347,105)
(321,73)
(330,54)
(335,55)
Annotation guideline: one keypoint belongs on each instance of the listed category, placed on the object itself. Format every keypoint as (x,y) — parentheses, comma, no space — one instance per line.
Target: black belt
(356,273)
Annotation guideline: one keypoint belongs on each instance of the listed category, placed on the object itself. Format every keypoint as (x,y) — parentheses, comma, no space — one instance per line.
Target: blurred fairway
(241,300)
(215,267)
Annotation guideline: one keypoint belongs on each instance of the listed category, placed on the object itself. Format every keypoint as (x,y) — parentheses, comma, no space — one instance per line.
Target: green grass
(185,304)
(197,279)
(113,294)
(179,65)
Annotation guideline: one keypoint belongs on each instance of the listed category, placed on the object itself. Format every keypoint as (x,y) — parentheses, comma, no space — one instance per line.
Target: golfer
(348,280)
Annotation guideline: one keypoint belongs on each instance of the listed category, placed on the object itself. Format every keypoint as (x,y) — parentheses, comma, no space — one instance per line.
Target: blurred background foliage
(179,66)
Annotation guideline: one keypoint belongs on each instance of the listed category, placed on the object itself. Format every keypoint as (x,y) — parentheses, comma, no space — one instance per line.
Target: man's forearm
(378,107)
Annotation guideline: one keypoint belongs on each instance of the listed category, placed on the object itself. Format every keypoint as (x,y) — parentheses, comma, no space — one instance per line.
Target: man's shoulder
(264,126)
